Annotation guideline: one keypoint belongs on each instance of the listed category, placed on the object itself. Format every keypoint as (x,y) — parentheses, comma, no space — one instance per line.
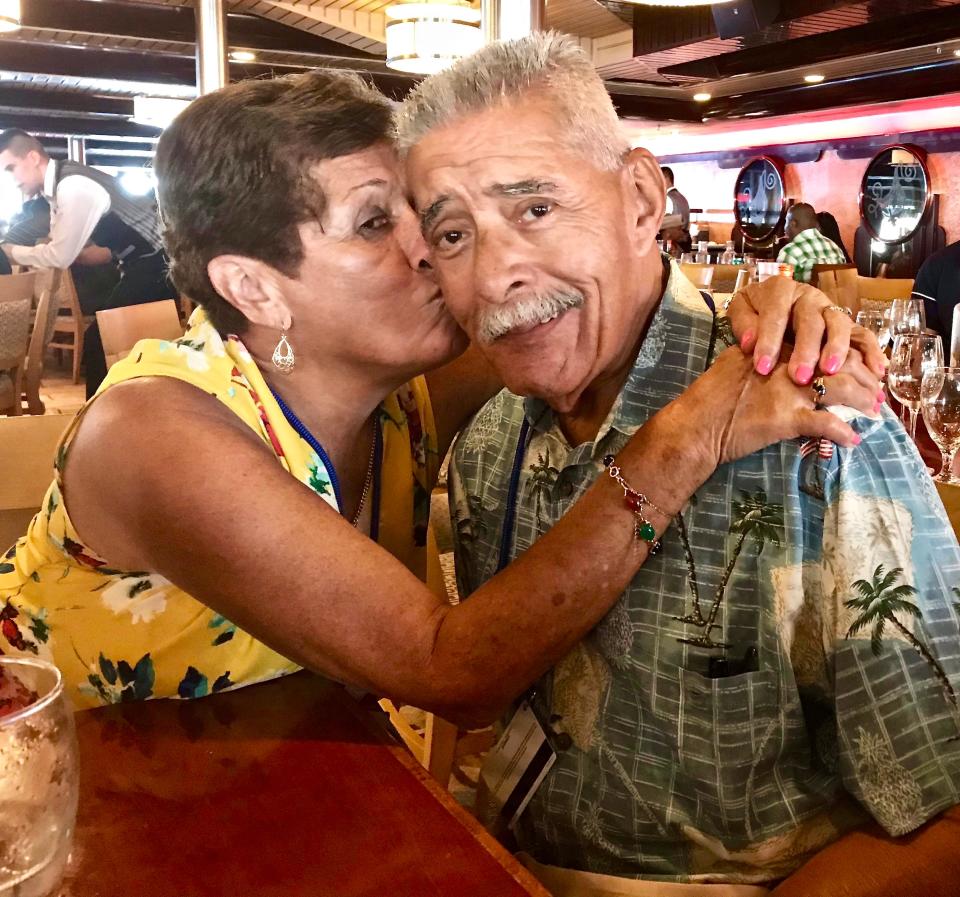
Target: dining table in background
(284,789)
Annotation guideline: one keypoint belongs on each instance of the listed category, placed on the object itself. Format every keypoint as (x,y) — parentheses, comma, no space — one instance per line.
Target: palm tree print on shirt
(543,477)
(753,516)
(879,602)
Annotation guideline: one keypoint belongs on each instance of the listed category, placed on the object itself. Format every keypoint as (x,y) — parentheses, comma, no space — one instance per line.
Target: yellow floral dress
(121,635)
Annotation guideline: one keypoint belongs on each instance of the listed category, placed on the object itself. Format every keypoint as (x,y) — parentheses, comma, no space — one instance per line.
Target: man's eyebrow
(521,188)
(376,182)
(432,211)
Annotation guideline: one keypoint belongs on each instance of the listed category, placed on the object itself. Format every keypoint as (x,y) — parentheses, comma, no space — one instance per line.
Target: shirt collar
(49,181)
(671,325)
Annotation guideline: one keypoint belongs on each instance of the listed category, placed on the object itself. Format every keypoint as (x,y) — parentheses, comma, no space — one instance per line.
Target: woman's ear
(647,193)
(253,288)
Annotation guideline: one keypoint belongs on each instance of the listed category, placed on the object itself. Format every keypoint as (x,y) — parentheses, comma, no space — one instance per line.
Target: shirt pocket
(729,734)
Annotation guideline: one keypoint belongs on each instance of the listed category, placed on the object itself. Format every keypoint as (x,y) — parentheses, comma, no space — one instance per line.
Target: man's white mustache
(532,310)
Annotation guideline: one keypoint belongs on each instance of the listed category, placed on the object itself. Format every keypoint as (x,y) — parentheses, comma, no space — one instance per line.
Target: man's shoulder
(492,430)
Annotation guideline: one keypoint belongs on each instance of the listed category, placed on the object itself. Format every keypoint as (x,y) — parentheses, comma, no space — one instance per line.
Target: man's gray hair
(548,63)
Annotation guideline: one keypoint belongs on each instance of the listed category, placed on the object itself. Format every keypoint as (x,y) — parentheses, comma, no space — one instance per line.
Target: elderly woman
(253,498)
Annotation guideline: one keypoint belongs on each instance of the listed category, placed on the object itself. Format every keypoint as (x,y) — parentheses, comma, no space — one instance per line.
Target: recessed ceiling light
(701,97)
(956,52)
(242,56)
(813,79)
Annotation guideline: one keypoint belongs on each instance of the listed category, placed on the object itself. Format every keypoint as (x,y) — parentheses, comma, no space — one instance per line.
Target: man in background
(938,285)
(807,246)
(87,206)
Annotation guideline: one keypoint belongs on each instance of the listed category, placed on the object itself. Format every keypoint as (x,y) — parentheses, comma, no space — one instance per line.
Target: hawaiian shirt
(833,579)
(809,248)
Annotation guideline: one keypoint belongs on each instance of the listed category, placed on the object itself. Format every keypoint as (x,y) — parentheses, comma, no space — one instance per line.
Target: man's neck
(582,422)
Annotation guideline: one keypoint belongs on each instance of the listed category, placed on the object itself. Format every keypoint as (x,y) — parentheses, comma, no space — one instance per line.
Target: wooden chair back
(819,270)
(70,321)
(884,289)
(122,328)
(28,445)
(48,298)
(16,308)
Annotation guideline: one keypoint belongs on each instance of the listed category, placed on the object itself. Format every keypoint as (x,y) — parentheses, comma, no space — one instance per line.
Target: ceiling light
(956,52)
(9,15)
(157,112)
(814,79)
(242,56)
(701,97)
(425,38)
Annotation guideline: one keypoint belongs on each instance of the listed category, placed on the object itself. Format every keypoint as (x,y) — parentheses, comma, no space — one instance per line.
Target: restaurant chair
(839,282)
(71,321)
(122,328)
(47,295)
(16,309)
(818,270)
(884,289)
(701,276)
(28,445)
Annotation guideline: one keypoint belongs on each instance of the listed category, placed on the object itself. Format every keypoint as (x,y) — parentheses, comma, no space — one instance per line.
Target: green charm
(647,532)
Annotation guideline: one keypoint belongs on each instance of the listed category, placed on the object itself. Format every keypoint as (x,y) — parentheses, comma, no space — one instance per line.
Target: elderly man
(786,665)
(807,246)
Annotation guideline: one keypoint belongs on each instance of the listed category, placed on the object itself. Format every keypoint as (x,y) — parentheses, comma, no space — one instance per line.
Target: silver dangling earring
(283,356)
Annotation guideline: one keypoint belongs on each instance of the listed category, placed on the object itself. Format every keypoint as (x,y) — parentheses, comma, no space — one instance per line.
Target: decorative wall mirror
(760,200)
(895,194)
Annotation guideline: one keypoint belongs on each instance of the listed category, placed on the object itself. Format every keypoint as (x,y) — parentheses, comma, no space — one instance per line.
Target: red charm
(633,502)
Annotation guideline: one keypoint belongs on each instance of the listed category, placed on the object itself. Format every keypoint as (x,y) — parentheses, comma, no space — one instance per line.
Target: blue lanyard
(510,518)
(314,443)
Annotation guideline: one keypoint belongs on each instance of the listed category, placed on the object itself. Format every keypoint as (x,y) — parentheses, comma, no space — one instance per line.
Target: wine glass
(940,402)
(875,320)
(913,355)
(38,779)
(907,316)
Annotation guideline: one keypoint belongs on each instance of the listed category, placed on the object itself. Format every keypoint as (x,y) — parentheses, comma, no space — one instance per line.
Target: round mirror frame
(778,167)
(921,158)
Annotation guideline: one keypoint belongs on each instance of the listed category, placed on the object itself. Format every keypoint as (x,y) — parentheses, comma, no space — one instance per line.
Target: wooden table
(277,790)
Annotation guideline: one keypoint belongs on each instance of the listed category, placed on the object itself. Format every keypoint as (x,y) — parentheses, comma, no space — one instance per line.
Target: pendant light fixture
(424,38)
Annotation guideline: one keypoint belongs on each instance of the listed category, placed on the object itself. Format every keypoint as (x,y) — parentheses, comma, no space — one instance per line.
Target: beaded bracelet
(643,530)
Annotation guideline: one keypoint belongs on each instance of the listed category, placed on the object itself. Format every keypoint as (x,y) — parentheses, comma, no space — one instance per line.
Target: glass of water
(876,321)
(38,780)
(940,403)
(907,316)
(913,355)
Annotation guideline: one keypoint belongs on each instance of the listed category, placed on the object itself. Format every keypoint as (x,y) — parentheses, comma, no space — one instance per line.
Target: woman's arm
(189,492)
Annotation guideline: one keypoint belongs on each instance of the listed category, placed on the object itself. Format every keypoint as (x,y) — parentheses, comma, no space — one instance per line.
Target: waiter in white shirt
(87,206)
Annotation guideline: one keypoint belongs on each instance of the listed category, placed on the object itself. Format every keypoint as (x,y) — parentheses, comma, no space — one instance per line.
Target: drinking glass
(907,316)
(38,783)
(913,355)
(687,258)
(940,403)
(875,320)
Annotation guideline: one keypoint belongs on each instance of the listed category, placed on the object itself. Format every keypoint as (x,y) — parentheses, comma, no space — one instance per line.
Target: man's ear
(253,288)
(647,191)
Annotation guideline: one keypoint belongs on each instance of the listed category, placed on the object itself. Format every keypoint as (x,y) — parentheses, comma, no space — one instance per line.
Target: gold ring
(840,308)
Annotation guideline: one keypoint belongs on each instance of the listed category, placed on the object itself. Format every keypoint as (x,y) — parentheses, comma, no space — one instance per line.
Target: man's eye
(538,210)
(450,237)
(377,222)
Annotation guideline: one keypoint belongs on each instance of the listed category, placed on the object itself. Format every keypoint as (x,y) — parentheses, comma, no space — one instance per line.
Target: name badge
(517,765)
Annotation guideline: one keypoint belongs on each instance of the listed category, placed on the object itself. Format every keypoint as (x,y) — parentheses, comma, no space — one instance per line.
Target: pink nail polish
(857,440)
(881,397)
(832,365)
(764,365)
(748,340)
(804,374)
(877,407)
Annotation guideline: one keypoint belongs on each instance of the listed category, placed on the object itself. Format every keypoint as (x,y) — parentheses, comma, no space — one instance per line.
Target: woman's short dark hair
(233,173)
